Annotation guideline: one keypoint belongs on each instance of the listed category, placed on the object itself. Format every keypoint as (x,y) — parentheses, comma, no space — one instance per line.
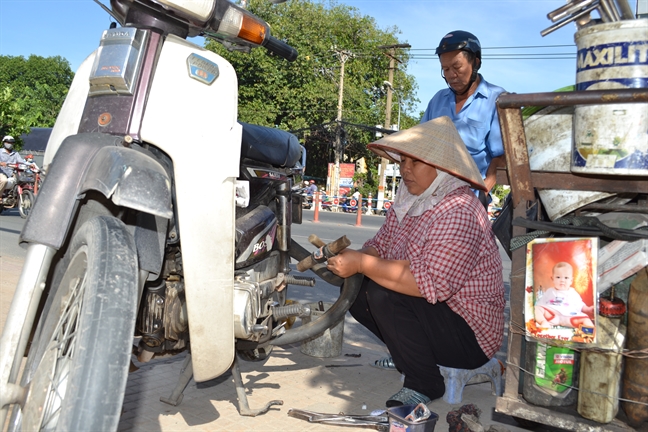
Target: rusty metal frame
(522,181)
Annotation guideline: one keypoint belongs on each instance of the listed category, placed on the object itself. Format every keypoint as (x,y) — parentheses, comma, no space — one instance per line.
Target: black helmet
(459,40)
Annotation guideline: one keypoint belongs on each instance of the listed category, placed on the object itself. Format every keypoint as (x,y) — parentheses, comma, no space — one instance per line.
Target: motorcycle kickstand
(244,407)
(186,373)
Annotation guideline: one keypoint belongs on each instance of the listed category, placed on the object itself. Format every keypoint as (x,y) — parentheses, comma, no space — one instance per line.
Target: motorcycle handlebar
(280,48)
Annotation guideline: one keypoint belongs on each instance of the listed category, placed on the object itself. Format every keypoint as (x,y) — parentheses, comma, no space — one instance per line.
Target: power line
(422,53)
(507,47)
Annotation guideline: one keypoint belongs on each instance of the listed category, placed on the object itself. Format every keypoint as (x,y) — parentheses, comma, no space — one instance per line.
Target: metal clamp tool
(324,252)
(377,422)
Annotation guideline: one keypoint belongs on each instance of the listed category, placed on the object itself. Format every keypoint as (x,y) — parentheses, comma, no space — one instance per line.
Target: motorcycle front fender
(93,161)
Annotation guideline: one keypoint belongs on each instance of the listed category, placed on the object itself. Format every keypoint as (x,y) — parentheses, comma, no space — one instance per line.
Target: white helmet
(8,138)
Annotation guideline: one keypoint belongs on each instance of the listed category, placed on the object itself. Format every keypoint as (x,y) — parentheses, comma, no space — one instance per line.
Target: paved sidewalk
(342,384)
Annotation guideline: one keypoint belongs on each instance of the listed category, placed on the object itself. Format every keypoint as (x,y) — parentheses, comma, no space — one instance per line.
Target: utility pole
(343,56)
(388,108)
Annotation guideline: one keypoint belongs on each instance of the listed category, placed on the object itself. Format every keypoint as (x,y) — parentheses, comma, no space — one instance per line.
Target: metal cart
(523,181)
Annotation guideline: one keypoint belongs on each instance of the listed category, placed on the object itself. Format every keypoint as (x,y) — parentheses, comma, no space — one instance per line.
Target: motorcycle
(327,202)
(306,199)
(115,249)
(21,189)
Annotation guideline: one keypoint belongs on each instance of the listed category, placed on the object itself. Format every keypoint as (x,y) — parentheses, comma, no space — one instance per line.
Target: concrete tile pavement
(327,385)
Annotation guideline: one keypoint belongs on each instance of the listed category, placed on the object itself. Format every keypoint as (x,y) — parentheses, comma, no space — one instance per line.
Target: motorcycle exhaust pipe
(335,314)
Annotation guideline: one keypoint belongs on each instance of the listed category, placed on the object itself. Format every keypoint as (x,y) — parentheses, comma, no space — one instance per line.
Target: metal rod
(610,10)
(582,97)
(560,24)
(626,11)
(568,9)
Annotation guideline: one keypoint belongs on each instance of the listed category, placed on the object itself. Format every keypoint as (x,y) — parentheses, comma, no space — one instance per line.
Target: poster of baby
(560,289)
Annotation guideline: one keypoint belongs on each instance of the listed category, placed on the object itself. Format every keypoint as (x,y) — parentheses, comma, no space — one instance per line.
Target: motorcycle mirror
(277,1)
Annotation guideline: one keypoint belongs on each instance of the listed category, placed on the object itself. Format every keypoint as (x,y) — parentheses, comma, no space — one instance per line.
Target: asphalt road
(10,226)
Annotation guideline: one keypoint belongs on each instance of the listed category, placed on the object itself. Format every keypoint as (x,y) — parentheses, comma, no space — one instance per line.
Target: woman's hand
(347,263)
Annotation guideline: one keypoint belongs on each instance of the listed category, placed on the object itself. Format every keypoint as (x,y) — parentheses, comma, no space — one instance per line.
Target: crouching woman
(433,290)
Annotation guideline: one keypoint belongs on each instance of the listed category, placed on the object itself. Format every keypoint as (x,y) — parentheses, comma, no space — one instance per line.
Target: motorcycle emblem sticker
(201,69)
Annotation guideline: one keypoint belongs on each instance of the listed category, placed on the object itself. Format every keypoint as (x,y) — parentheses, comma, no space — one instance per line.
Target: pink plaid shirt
(454,258)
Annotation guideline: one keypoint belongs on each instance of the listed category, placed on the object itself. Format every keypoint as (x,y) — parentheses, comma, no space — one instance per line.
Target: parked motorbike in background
(21,189)
(115,246)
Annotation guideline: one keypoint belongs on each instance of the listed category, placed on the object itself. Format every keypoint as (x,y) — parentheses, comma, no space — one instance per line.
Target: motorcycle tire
(78,364)
(26,203)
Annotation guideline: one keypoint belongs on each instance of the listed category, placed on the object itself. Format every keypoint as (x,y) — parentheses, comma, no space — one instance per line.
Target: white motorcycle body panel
(204,141)
(195,124)
(69,118)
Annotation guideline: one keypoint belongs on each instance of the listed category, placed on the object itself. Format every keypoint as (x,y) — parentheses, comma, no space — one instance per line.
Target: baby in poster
(560,289)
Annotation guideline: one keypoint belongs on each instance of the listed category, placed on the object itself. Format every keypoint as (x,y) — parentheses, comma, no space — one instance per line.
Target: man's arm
(491,172)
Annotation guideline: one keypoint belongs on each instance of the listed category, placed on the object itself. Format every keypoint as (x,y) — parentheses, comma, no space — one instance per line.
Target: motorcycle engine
(257,290)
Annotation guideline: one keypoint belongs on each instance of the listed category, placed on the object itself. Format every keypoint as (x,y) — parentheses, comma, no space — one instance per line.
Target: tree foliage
(303,96)
(32,91)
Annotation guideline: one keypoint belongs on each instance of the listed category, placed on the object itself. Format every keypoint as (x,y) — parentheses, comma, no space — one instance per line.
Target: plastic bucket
(612,139)
(397,422)
(327,344)
(549,140)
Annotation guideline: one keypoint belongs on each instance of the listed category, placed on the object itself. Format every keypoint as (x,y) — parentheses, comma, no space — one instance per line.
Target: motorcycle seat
(270,145)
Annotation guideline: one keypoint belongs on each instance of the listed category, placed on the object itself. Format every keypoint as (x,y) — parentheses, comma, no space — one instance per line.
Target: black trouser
(419,335)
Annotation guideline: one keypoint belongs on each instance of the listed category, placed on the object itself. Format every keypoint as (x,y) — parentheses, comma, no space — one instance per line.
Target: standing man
(469,101)
(8,156)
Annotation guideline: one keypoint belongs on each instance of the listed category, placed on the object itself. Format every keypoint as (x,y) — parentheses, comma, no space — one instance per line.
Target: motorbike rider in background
(312,188)
(9,156)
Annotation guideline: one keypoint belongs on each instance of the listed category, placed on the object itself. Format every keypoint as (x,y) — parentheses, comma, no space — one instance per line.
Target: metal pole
(344,56)
(393,191)
(383,161)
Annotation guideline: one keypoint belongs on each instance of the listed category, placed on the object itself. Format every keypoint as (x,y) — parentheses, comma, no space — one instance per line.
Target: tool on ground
(324,252)
(377,422)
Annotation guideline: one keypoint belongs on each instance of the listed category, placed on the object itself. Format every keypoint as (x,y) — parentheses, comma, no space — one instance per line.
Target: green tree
(32,91)
(303,96)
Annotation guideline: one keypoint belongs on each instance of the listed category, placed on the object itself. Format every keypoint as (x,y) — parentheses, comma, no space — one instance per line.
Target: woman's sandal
(407,397)
(385,363)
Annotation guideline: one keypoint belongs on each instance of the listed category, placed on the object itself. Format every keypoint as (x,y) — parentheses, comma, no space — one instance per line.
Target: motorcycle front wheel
(77,367)
(26,203)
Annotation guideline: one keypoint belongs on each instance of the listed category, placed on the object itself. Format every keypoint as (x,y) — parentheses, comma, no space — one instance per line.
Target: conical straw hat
(435,142)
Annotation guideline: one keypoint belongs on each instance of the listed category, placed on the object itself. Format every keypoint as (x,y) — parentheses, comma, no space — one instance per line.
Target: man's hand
(491,172)
(3,163)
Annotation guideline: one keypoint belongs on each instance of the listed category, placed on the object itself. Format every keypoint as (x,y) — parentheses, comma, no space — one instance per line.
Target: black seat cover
(270,145)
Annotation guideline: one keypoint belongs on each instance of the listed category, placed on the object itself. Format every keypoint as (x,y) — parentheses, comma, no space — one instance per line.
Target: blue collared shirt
(12,157)
(477,122)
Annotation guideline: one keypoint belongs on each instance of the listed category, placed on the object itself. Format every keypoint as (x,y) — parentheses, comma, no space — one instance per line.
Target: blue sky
(72,28)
